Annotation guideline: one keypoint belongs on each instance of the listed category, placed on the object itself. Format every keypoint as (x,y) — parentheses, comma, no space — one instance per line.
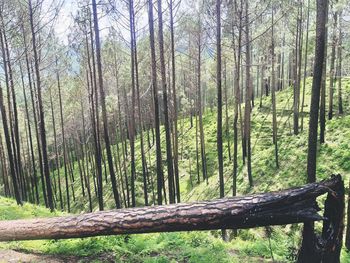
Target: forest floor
(253,245)
(10,255)
(16,256)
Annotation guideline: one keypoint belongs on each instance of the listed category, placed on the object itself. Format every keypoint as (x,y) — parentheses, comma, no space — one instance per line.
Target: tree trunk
(66,176)
(34,175)
(57,158)
(237,65)
(16,140)
(347,237)
(323,90)
(327,247)
(173,77)
(322,6)
(227,126)
(273,93)
(308,244)
(248,95)
(199,104)
(9,149)
(41,113)
(103,104)
(219,98)
(165,105)
(276,208)
(296,72)
(305,65)
(131,119)
(95,114)
(339,67)
(332,68)
(160,175)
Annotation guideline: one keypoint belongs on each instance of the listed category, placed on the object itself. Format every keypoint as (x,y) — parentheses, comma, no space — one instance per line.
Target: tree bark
(327,247)
(276,208)
(332,69)
(57,158)
(273,93)
(103,104)
(30,137)
(297,66)
(219,98)
(9,149)
(165,105)
(237,65)
(94,113)
(339,66)
(305,65)
(306,251)
(63,140)
(323,89)
(322,6)
(173,83)
(160,175)
(131,119)
(248,95)
(45,162)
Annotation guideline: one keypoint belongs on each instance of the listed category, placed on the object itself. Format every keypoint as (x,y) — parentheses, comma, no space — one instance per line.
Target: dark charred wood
(276,208)
(327,247)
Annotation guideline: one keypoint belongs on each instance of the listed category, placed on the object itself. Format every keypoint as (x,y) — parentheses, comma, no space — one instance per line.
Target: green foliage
(251,245)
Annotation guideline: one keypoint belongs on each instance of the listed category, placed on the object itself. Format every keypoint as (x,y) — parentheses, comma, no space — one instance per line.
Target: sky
(65,21)
(70,7)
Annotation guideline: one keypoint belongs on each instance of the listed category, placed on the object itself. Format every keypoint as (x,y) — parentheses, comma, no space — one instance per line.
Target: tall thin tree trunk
(35,114)
(83,148)
(339,66)
(9,149)
(41,113)
(197,149)
(165,105)
(63,141)
(4,171)
(200,111)
(131,119)
(296,56)
(248,95)
(34,175)
(160,176)
(237,65)
(95,114)
(282,62)
(305,65)
(219,98)
(273,89)
(332,67)
(308,243)
(16,139)
(173,83)
(103,104)
(323,91)
(227,128)
(57,160)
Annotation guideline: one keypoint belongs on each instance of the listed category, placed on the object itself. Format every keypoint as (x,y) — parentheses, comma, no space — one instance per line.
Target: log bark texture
(327,246)
(276,208)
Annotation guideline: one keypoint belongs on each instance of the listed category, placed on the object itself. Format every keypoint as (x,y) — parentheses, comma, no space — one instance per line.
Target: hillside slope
(253,244)
(292,154)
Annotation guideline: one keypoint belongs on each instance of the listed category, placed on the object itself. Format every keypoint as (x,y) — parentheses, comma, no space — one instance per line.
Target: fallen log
(326,247)
(276,208)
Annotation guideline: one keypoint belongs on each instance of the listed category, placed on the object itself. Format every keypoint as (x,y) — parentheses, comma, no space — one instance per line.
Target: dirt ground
(15,256)
(12,256)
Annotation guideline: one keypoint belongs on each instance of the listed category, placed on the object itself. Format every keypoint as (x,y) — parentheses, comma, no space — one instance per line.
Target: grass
(251,245)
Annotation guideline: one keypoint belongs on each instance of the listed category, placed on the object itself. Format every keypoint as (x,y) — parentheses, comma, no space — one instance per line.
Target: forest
(133,104)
